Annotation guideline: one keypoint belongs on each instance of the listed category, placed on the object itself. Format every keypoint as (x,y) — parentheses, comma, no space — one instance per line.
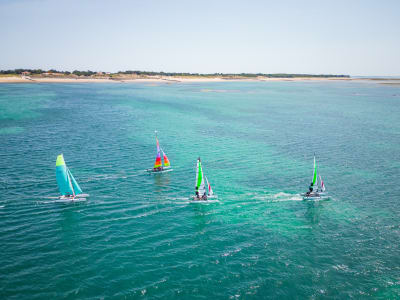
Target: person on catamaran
(310,189)
(197,193)
(204,197)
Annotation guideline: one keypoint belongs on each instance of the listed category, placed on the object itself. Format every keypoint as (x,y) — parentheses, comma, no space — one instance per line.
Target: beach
(168,79)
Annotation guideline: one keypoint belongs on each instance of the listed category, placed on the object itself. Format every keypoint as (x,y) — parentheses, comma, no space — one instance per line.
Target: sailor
(204,197)
(197,193)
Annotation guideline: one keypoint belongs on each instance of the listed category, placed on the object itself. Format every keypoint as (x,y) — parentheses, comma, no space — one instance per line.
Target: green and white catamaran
(317,189)
(69,188)
(203,190)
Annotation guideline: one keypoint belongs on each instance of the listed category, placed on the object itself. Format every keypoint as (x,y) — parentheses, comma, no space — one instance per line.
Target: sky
(354,37)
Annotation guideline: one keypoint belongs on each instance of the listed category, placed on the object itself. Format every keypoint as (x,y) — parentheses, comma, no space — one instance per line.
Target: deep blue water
(140,237)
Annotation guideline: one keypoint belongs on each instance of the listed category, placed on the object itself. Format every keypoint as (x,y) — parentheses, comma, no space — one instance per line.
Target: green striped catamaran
(316,191)
(203,190)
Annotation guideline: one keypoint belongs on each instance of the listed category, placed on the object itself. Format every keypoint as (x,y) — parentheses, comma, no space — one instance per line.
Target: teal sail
(76,188)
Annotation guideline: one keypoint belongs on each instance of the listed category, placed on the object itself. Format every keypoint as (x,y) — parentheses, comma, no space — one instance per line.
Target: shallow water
(139,236)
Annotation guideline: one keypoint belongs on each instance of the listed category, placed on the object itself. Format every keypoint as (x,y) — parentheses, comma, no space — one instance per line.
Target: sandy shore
(167,79)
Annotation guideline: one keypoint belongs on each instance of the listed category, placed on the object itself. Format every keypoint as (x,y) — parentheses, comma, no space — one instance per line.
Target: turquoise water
(139,237)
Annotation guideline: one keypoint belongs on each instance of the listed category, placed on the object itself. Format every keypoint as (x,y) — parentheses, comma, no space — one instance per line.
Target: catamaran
(317,190)
(202,192)
(69,188)
(159,167)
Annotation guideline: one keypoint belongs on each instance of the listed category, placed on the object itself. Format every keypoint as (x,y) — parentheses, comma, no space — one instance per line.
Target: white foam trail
(109,176)
(278,197)
(204,201)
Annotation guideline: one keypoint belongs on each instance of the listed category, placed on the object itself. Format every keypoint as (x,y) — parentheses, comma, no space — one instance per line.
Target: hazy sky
(359,37)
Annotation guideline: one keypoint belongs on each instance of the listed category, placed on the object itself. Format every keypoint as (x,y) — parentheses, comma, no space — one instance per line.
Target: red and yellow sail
(166,160)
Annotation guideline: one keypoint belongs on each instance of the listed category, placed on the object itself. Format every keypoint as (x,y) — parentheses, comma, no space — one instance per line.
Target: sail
(158,163)
(200,179)
(314,181)
(166,160)
(75,186)
(210,191)
(322,184)
(62,177)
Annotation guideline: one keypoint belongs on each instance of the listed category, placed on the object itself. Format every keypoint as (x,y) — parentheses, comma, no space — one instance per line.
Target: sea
(138,235)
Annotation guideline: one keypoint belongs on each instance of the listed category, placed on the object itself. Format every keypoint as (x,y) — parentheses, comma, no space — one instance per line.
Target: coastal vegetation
(150,74)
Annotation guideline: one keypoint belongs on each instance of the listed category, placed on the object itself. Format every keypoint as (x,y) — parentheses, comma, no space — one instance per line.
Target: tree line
(150,73)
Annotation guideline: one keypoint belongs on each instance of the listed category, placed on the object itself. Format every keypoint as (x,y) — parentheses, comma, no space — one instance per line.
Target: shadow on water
(70,218)
(161,181)
(313,212)
(202,216)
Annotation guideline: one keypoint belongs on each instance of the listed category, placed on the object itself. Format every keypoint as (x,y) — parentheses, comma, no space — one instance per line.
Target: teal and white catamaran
(316,190)
(69,188)
(203,190)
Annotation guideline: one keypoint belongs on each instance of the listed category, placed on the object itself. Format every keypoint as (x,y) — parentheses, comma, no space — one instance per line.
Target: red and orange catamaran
(159,166)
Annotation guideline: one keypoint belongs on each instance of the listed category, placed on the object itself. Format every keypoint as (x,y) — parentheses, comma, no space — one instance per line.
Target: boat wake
(278,197)
(63,201)
(109,177)
(203,201)
(188,200)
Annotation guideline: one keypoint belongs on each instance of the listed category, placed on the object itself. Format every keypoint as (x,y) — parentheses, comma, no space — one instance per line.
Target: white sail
(322,184)
(210,191)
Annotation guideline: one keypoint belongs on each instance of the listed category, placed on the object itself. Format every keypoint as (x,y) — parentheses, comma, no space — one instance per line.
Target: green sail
(315,173)
(199,174)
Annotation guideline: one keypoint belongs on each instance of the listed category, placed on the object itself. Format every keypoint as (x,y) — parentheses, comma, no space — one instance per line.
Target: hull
(70,200)
(195,199)
(151,171)
(315,197)
(77,198)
